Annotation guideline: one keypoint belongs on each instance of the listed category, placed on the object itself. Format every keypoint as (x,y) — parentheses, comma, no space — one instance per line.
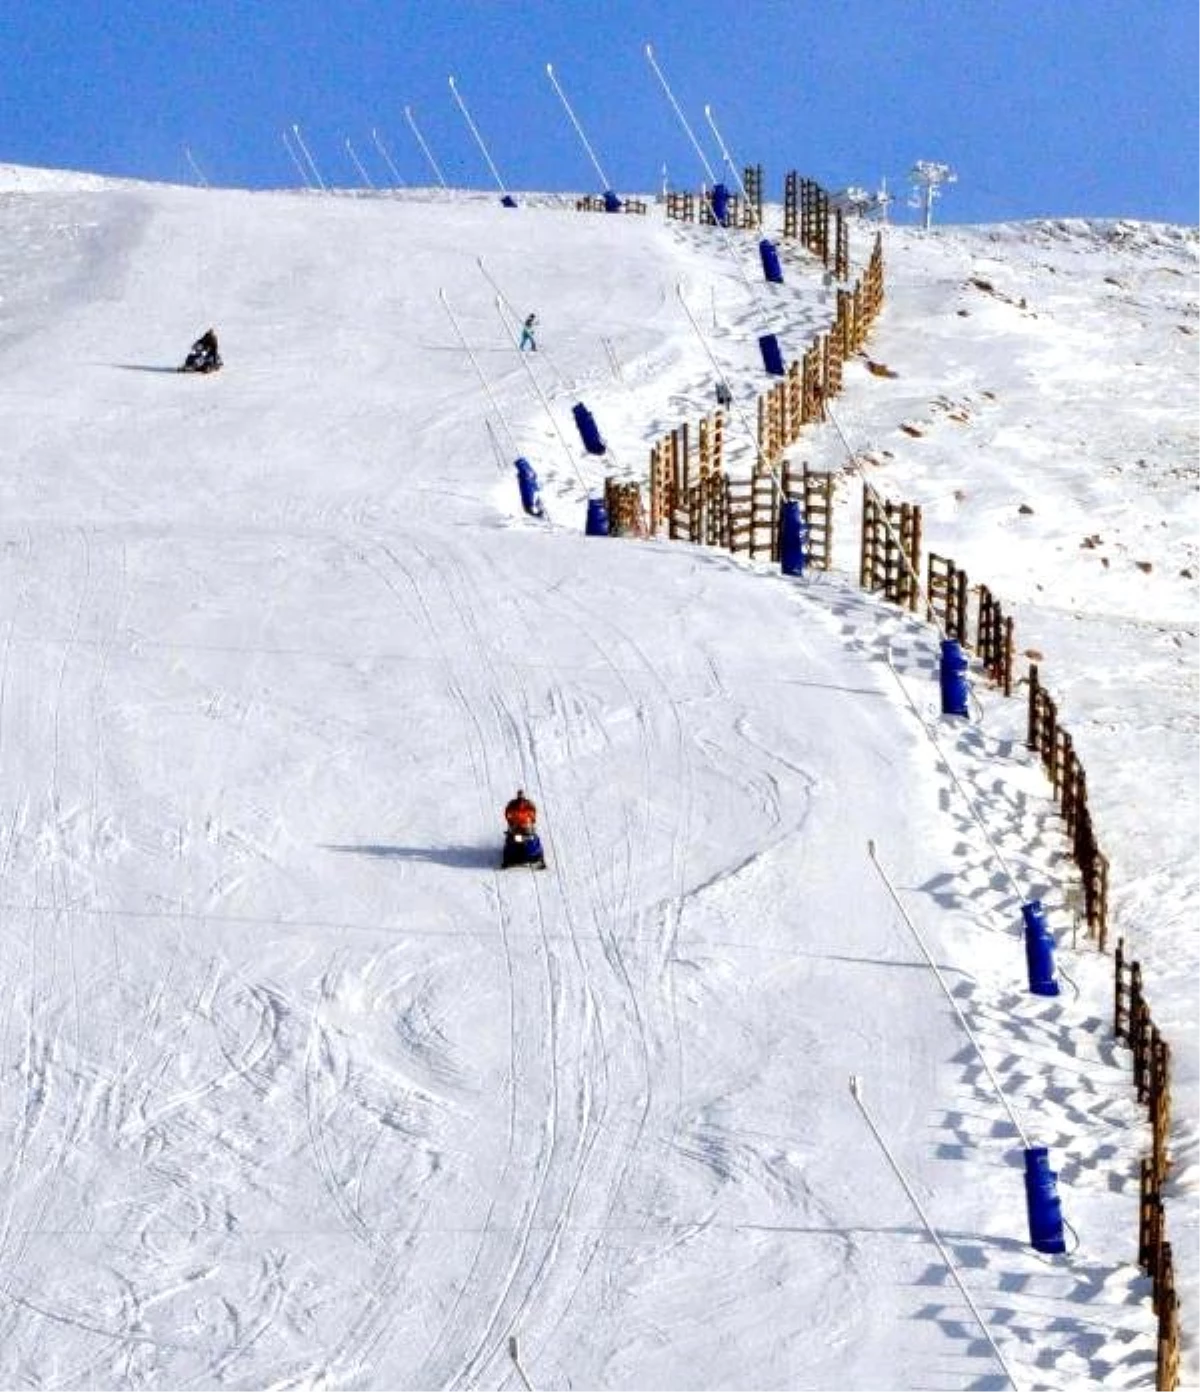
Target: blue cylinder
(527,482)
(719,198)
(953,676)
(771,355)
(597,518)
(1042,1202)
(793,534)
(612,204)
(588,433)
(770,262)
(1039,950)
(508,201)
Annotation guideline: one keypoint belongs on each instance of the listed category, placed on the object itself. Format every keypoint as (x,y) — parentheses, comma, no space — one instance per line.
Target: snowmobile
(523,847)
(522,844)
(203,355)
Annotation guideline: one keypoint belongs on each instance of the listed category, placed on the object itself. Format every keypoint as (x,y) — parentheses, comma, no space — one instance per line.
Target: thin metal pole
(300,169)
(366,178)
(741,415)
(537,386)
(954,1005)
(578,128)
(483,381)
(462,106)
(311,162)
(502,299)
(387,158)
(725,155)
(515,1354)
(433,164)
(856,1093)
(712,178)
(195,167)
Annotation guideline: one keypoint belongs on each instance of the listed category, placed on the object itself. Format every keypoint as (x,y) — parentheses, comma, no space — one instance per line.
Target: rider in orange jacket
(520,814)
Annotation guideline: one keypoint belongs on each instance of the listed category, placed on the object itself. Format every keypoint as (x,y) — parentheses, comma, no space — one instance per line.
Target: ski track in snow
(294,1104)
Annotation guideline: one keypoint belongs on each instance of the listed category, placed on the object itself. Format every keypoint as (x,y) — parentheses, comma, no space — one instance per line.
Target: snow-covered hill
(300,1090)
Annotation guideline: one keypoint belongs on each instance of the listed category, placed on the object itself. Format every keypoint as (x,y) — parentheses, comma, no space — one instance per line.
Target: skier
(522,844)
(204,355)
(527,338)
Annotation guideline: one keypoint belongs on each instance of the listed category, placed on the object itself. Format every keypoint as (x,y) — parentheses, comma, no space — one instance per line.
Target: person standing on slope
(527,338)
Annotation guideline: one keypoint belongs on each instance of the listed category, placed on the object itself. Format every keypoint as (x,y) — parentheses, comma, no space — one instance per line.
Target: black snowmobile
(523,848)
(203,355)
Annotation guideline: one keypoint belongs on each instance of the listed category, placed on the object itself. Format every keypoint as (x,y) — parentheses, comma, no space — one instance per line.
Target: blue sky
(1055,108)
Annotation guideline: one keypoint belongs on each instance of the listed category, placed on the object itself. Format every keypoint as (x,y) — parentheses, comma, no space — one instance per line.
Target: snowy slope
(302,1091)
(1044,412)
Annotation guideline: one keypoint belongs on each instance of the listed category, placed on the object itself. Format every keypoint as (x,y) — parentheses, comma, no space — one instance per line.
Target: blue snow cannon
(793,534)
(772,269)
(719,198)
(953,676)
(589,431)
(527,483)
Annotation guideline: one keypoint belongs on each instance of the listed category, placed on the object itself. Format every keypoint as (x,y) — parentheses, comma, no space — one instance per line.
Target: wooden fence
(623,503)
(685,206)
(1048,738)
(809,218)
(890,554)
(692,496)
(693,499)
(591,203)
(947,604)
(752,179)
(1152,1079)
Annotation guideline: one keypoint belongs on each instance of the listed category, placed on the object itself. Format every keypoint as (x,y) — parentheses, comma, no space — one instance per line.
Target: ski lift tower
(928,179)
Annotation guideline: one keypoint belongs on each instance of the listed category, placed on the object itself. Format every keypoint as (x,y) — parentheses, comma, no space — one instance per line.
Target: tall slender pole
(433,164)
(604,179)
(712,178)
(366,178)
(764,462)
(515,1354)
(300,169)
(541,395)
(199,173)
(462,106)
(387,158)
(483,381)
(725,155)
(949,994)
(514,317)
(311,162)
(856,1093)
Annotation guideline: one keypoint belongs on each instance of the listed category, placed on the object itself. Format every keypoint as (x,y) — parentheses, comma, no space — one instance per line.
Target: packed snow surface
(299,1089)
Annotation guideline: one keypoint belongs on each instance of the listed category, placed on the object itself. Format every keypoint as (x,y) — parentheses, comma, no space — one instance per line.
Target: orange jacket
(521,814)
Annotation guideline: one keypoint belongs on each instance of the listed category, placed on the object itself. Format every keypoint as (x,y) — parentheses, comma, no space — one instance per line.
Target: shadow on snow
(440,855)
